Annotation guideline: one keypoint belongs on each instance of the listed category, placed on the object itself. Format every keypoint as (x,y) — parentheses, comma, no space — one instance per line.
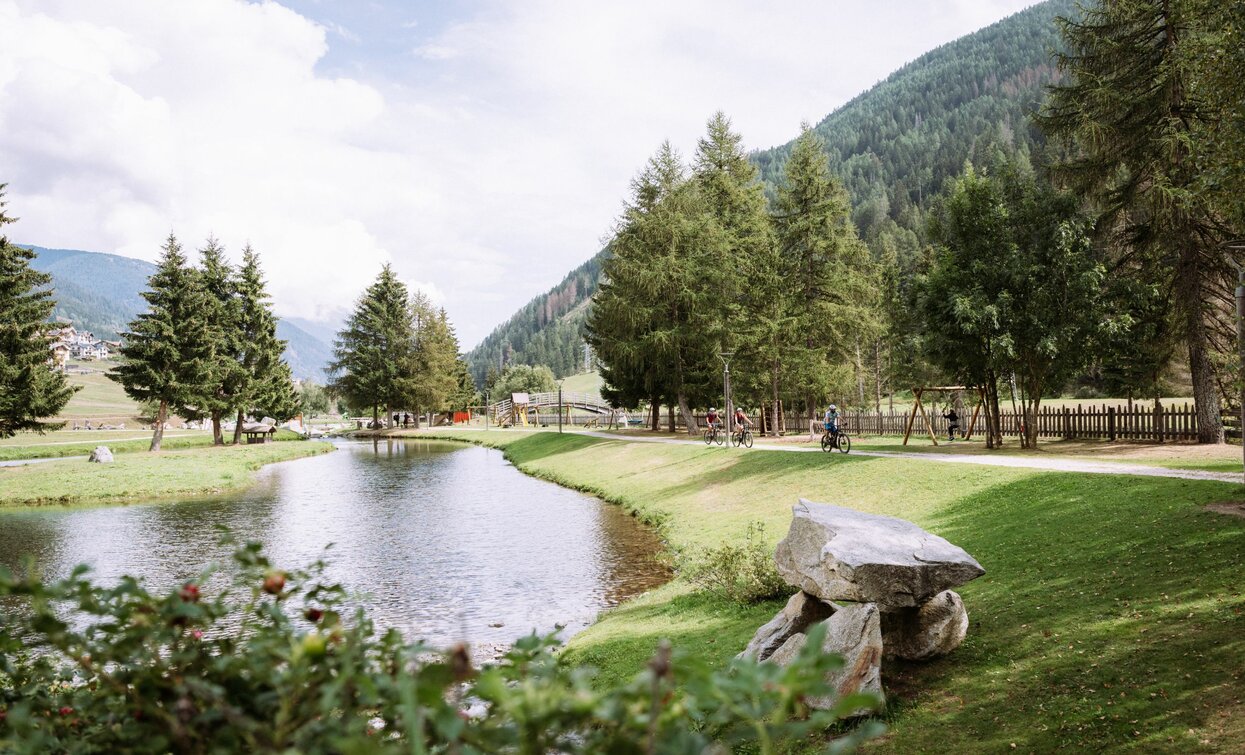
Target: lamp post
(725,356)
(1238,245)
(559,406)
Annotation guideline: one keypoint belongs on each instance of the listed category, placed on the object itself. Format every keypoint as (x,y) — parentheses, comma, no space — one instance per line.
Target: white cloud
(489,167)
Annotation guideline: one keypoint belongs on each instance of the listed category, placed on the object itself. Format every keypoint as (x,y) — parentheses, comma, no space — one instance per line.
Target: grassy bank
(134,476)
(64,443)
(1111,614)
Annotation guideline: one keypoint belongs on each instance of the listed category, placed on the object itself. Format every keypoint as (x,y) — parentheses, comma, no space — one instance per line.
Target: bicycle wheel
(709,437)
(736,439)
(845,443)
(747,439)
(826,443)
(719,438)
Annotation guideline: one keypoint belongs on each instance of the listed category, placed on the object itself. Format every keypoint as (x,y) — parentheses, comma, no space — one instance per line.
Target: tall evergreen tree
(743,280)
(264,384)
(168,353)
(829,287)
(223,325)
(374,355)
(1125,106)
(435,379)
(30,389)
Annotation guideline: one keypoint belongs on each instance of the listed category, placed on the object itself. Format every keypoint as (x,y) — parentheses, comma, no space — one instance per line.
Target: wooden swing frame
(917,406)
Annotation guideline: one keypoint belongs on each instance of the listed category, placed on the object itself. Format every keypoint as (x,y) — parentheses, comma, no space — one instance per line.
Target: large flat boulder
(933,629)
(837,553)
(800,613)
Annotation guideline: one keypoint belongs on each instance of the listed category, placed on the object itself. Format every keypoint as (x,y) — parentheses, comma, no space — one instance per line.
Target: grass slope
(131,477)
(1110,616)
(63,443)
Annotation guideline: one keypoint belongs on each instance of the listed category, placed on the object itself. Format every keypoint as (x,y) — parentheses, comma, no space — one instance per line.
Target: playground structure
(515,410)
(917,406)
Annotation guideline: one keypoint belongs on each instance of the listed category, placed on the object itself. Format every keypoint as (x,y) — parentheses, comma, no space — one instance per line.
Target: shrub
(268,663)
(743,572)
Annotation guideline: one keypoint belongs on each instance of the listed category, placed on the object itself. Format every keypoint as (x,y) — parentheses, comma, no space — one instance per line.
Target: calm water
(443,541)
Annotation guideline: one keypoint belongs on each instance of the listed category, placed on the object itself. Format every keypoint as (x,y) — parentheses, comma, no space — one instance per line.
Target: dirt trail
(1016,462)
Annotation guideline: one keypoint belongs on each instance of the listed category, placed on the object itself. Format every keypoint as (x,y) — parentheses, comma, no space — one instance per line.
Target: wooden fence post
(1111,424)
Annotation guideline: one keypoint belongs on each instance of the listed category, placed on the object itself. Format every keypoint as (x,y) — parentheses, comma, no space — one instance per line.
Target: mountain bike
(714,435)
(839,440)
(742,438)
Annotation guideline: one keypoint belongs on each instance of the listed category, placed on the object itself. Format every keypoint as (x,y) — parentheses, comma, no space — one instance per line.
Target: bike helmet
(833,407)
(712,409)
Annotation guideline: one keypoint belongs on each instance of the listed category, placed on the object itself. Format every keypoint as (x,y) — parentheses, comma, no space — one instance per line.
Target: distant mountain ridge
(893,147)
(102,293)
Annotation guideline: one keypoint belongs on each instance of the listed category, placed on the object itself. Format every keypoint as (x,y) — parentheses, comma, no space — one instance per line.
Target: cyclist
(832,420)
(712,418)
(741,421)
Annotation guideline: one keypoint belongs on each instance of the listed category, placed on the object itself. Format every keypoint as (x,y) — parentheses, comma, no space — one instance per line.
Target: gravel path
(1016,462)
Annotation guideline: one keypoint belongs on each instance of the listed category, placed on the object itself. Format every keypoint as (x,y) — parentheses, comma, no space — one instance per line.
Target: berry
(313,615)
(274,582)
(190,593)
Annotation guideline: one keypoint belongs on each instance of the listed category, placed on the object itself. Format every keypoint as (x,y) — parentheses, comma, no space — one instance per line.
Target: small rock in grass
(101,455)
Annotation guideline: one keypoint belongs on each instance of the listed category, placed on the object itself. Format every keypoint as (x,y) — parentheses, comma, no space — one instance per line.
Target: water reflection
(442,541)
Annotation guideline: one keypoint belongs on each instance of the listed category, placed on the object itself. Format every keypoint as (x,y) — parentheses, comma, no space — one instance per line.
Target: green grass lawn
(584,382)
(1111,615)
(63,443)
(135,476)
(99,397)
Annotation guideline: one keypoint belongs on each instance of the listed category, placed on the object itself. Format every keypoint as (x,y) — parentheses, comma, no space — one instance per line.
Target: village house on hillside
(70,343)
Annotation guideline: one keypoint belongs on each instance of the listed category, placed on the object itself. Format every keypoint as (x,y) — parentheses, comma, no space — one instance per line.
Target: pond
(444,541)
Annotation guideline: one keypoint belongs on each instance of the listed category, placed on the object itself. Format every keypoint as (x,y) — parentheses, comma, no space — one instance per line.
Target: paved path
(1016,462)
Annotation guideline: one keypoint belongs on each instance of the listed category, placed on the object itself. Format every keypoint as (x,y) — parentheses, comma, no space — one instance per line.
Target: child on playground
(953,423)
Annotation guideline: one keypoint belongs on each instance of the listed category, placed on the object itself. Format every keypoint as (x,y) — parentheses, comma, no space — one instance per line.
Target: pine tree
(265,386)
(168,353)
(436,357)
(223,322)
(742,280)
(829,302)
(30,389)
(1126,107)
(374,355)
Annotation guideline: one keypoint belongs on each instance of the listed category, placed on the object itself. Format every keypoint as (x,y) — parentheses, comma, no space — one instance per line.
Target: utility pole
(725,356)
(486,410)
(559,406)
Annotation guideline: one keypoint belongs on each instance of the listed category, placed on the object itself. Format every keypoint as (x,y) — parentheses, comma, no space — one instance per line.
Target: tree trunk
(375,416)
(237,428)
(877,375)
(218,439)
(774,430)
(416,416)
(1205,392)
(860,378)
(686,412)
(670,419)
(162,414)
(654,415)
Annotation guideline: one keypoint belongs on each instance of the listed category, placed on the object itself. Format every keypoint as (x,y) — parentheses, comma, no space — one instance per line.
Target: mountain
(548,330)
(102,293)
(893,147)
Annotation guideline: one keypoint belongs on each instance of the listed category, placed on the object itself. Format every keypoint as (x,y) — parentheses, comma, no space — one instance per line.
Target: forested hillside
(548,330)
(893,147)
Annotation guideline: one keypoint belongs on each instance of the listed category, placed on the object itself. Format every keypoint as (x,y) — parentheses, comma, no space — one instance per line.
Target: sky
(482,148)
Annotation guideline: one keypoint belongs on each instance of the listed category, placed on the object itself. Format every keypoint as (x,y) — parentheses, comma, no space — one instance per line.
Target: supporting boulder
(800,613)
(836,553)
(854,633)
(933,629)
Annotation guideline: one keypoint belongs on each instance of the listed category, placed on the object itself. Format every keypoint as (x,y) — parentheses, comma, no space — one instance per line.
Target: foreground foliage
(269,663)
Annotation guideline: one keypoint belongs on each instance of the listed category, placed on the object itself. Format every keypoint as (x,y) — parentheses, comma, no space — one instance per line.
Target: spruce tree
(1126,109)
(374,355)
(167,356)
(742,281)
(224,327)
(264,385)
(829,287)
(31,390)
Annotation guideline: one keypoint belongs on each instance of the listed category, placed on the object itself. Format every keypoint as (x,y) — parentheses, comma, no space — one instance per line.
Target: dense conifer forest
(892,147)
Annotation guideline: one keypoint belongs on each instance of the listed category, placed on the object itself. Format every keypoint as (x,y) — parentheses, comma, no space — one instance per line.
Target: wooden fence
(1140,422)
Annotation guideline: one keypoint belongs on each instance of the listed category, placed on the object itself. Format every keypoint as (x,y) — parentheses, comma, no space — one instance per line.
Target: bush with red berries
(271,662)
